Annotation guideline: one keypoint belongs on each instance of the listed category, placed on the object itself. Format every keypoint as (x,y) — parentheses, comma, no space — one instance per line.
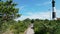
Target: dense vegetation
(8,25)
(47,26)
(8,13)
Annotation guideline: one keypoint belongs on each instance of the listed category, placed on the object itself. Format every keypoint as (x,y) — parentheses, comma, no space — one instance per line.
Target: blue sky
(34,9)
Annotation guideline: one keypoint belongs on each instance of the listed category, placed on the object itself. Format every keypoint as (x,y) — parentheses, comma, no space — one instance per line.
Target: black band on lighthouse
(53,3)
(53,15)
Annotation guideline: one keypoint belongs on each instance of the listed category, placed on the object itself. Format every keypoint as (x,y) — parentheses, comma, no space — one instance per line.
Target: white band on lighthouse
(53,9)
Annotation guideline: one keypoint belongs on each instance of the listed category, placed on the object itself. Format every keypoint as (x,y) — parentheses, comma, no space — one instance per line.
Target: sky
(36,9)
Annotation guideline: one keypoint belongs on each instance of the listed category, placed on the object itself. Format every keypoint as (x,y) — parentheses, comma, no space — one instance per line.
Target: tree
(8,10)
(8,13)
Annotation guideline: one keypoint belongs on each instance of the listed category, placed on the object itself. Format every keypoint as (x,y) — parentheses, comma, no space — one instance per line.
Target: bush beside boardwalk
(15,28)
(40,26)
(47,27)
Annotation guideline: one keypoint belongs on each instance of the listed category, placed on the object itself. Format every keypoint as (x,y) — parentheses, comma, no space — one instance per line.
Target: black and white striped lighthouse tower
(53,10)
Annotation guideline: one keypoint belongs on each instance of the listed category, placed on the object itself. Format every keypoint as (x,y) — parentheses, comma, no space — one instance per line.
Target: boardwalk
(30,30)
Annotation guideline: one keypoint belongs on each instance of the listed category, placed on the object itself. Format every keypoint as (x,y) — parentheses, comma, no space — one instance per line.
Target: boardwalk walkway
(30,30)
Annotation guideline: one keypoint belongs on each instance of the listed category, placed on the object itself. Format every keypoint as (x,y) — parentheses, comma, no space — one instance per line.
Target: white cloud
(58,13)
(45,3)
(40,15)
(22,7)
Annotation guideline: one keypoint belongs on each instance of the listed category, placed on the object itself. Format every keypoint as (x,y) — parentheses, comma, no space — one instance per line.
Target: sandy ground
(30,30)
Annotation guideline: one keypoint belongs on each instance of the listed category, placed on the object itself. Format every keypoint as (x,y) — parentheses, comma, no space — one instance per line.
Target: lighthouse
(53,10)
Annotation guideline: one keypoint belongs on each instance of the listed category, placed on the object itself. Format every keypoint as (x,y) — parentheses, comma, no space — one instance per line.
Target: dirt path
(30,30)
